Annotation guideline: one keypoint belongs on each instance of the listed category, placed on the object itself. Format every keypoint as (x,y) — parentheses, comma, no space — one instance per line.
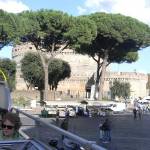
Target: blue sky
(142,65)
(69,6)
(139,9)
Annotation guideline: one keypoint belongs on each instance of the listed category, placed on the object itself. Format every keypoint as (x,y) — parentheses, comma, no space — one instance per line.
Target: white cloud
(142,71)
(139,9)
(81,10)
(14,6)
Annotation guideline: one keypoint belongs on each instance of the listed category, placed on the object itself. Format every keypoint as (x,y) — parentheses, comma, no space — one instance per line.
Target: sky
(139,9)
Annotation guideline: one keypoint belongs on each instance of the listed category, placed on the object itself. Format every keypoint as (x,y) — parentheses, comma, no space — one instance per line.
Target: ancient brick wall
(82,68)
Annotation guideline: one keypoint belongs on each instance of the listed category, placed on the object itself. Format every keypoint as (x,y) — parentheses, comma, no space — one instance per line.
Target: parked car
(62,111)
(72,112)
(51,110)
(93,111)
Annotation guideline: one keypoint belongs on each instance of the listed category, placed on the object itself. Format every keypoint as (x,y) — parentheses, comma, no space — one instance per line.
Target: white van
(117,107)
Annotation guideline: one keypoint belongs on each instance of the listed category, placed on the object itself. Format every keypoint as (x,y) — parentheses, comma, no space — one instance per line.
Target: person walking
(57,117)
(106,127)
(67,113)
(135,113)
(101,134)
(140,113)
(64,126)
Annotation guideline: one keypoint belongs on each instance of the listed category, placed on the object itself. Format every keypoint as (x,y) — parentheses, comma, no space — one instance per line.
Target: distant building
(82,74)
(137,81)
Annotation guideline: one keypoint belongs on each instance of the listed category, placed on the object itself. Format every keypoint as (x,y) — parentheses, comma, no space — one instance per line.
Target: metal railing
(88,145)
(23,145)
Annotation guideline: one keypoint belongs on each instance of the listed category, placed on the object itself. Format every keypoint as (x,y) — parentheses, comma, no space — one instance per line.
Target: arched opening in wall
(88,86)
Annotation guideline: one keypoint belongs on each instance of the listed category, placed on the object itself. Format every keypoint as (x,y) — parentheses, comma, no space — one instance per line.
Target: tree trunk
(45,63)
(41,96)
(97,80)
(103,71)
(46,82)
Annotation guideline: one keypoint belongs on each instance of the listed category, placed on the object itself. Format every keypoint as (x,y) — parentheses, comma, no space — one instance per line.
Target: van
(118,107)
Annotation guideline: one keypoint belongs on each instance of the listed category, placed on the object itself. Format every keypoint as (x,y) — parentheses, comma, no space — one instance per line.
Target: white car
(72,112)
(51,110)
(62,111)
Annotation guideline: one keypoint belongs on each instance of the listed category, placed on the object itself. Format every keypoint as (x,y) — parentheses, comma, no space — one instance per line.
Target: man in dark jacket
(64,125)
(106,127)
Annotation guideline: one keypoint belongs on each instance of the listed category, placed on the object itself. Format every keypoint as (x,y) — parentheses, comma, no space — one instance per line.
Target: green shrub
(21,101)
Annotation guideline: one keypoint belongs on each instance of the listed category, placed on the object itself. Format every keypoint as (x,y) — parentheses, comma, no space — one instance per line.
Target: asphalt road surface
(127,133)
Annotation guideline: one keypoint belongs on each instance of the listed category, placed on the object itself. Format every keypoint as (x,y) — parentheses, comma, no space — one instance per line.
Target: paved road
(127,133)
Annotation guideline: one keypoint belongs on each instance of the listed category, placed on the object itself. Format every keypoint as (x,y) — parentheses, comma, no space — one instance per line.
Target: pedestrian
(106,127)
(10,127)
(134,113)
(64,125)
(101,134)
(67,113)
(140,113)
(57,117)
(44,113)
